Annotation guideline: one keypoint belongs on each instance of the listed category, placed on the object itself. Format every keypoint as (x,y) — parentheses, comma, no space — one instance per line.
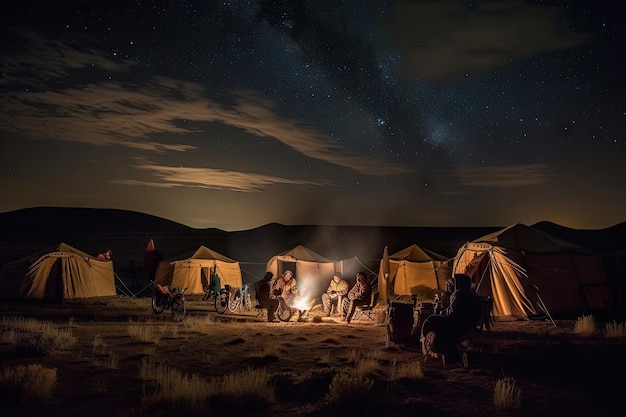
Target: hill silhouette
(127,233)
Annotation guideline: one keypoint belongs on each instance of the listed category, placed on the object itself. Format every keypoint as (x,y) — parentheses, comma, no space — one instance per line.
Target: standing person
(151,259)
(358,294)
(263,297)
(336,290)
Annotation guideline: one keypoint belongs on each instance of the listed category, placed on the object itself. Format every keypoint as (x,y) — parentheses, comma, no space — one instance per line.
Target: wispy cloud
(111,113)
(170,177)
(505,176)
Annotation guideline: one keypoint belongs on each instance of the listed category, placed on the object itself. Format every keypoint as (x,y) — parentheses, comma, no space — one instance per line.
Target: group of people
(338,299)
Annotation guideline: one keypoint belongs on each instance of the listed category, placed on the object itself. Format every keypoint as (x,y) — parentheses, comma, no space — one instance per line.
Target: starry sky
(235,114)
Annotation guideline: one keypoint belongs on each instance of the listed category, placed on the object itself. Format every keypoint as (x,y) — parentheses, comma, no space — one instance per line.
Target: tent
(312,271)
(411,268)
(189,271)
(58,273)
(530,273)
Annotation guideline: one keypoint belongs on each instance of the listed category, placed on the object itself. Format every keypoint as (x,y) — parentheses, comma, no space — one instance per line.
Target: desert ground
(556,371)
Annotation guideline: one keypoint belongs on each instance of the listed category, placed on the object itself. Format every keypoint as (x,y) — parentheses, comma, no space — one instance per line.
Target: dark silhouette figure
(262,289)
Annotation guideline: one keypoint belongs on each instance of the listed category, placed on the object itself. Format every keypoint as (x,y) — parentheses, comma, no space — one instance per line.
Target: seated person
(285,289)
(359,294)
(337,288)
(442,304)
(262,288)
(461,317)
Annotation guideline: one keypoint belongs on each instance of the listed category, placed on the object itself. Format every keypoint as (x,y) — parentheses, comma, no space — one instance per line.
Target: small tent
(189,271)
(530,273)
(412,267)
(312,271)
(58,273)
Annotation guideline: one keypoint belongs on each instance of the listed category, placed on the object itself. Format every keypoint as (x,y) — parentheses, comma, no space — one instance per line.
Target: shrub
(346,390)
(506,395)
(24,384)
(585,325)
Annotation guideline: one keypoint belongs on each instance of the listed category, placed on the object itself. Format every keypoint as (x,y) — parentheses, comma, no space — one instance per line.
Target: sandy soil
(559,373)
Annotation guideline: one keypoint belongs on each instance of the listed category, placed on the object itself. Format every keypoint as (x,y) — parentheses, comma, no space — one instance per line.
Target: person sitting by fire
(359,294)
(335,292)
(285,288)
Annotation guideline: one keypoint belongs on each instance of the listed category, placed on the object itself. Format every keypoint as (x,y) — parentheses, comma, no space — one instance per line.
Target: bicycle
(220,298)
(240,299)
(169,297)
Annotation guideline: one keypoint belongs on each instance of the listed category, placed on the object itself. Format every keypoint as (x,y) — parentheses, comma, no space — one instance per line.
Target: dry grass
(347,390)
(585,325)
(408,370)
(615,330)
(26,384)
(35,336)
(506,395)
(146,333)
(170,389)
(215,364)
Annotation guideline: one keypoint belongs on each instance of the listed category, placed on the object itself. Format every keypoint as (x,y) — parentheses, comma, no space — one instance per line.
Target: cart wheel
(234,304)
(221,301)
(156,307)
(284,314)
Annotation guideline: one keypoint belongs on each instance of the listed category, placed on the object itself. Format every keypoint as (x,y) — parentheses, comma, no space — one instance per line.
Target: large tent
(312,271)
(403,272)
(530,273)
(188,271)
(58,273)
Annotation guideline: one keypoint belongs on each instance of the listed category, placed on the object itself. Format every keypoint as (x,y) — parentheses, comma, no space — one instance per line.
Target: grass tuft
(506,395)
(585,325)
(25,384)
(615,330)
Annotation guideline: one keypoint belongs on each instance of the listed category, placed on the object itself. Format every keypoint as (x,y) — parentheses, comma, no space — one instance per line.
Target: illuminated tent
(530,273)
(58,273)
(312,271)
(189,271)
(412,268)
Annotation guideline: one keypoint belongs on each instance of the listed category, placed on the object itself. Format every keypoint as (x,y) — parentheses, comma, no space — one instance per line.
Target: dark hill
(601,240)
(61,220)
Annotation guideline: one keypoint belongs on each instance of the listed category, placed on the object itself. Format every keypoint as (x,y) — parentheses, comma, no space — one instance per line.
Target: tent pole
(484,272)
(545,309)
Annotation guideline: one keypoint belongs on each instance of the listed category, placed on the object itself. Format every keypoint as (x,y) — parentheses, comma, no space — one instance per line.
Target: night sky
(234,114)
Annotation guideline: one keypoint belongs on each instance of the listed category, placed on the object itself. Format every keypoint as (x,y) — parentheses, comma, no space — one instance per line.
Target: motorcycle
(169,297)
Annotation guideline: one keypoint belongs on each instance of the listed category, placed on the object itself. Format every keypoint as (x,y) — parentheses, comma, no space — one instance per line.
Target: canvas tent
(58,273)
(188,272)
(312,271)
(412,267)
(530,273)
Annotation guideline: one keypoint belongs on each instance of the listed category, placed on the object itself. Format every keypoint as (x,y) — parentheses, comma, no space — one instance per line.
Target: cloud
(170,177)
(111,113)
(442,41)
(505,176)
